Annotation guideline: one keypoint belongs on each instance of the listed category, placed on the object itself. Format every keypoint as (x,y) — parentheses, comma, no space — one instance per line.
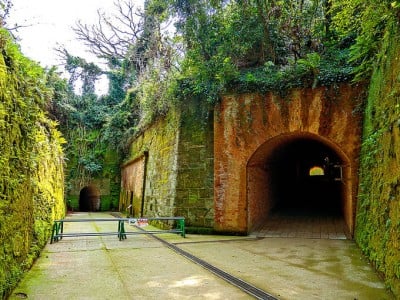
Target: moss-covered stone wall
(195,178)
(378,214)
(173,159)
(106,180)
(31,164)
(160,143)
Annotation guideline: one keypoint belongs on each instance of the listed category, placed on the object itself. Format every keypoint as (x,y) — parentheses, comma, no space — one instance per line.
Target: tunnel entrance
(305,178)
(296,177)
(89,199)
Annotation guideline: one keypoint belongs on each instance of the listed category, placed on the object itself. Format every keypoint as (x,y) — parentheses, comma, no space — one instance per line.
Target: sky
(50,25)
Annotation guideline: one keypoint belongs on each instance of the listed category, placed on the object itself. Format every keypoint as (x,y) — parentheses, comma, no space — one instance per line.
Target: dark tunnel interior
(89,199)
(305,178)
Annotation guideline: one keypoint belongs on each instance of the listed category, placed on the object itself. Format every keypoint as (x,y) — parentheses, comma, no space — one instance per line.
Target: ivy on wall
(92,152)
(31,164)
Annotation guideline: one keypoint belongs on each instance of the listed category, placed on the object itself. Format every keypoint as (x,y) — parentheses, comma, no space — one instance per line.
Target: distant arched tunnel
(296,174)
(89,199)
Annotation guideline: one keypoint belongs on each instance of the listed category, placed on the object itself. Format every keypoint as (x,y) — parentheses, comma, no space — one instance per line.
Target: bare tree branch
(112,36)
(5,11)
(5,7)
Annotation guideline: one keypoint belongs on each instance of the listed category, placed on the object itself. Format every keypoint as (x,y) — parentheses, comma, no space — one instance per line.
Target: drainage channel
(235,281)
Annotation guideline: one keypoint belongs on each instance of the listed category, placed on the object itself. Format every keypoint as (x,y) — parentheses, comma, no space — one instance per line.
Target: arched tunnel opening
(89,199)
(295,176)
(305,179)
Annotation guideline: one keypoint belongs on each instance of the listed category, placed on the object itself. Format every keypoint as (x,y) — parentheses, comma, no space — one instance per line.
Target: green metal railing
(58,227)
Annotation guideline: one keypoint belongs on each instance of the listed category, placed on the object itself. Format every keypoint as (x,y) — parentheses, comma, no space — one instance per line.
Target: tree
(80,70)
(5,7)
(364,23)
(113,35)
(5,11)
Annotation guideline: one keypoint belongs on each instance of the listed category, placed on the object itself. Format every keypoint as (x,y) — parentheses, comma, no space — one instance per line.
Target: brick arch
(244,123)
(278,178)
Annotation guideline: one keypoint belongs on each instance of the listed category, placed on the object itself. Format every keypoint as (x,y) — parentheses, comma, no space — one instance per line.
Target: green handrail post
(56,230)
(62,228)
(121,230)
(52,232)
(181,226)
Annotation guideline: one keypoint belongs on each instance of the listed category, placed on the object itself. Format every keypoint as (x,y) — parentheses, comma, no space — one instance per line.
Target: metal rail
(257,293)
(58,227)
(233,280)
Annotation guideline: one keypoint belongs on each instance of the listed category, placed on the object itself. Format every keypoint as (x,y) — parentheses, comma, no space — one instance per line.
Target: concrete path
(140,267)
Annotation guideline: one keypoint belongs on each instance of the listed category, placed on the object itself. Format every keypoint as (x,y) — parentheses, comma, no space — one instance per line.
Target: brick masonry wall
(198,159)
(243,123)
(132,185)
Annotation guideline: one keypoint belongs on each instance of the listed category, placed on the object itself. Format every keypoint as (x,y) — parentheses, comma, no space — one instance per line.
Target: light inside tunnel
(316,171)
(292,188)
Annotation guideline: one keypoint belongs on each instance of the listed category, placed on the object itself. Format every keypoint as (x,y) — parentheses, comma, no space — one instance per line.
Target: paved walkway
(304,226)
(140,267)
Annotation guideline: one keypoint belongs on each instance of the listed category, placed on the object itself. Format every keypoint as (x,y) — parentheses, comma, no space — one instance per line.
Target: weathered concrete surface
(142,268)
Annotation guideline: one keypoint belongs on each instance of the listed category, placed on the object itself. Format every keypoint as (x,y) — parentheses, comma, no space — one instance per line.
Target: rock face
(266,145)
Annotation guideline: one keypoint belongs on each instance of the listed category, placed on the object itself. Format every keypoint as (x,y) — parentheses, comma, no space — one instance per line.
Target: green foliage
(31,164)
(255,46)
(121,125)
(155,92)
(308,72)
(81,117)
(79,68)
(366,22)
(219,46)
(311,64)
(86,120)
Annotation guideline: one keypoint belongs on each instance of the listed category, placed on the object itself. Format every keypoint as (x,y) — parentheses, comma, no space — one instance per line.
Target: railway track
(233,280)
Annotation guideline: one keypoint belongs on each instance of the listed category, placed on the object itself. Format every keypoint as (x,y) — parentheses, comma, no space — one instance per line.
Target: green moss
(73,202)
(91,160)
(377,225)
(109,203)
(31,165)
(200,230)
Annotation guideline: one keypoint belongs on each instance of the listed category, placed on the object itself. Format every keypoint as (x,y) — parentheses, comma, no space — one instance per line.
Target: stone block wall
(195,183)
(177,174)
(160,143)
